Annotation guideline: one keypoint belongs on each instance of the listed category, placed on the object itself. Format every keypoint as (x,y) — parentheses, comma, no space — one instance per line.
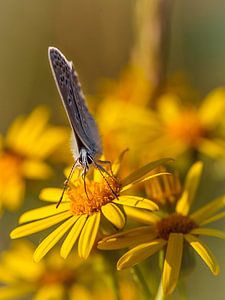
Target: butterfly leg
(102,171)
(106,162)
(66,182)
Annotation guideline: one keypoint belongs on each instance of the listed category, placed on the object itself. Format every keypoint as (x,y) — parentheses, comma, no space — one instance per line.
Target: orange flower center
(10,166)
(187,127)
(65,277)
(174,223)
(96,195)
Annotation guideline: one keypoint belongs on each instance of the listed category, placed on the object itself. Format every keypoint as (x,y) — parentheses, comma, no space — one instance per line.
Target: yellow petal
(142,172)
(190,188)
(13,131)
(169,107)
(31,128)
(214,218)
(213,107)
(49,141)
(204,253)
(43,212)
(54,291)
(72,236)
(144,217)
(139,253)
(34,169)
(88,235)
(17,291)
(75,175)
(137,202)
(128,238)
(172,262)
(6,276)
(52,195)
(12,193)
(117,163)
(205,212)
(49,242)
(36,226)
(209,232)
(114,214)
(213,147)
(143,179)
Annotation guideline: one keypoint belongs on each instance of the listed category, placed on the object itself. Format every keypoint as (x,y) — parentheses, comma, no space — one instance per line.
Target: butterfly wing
(82,122)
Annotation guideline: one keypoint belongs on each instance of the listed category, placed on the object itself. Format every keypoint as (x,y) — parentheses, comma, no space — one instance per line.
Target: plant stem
(138,277)
(160,295)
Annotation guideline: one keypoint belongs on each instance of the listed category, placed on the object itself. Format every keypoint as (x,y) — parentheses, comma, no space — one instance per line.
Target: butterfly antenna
(99,169)
(66,184)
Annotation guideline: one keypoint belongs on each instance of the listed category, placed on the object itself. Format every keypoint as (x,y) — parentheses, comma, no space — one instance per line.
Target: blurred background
(99,37)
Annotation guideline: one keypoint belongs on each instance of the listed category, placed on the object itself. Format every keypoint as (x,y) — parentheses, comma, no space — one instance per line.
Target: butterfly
(86,141)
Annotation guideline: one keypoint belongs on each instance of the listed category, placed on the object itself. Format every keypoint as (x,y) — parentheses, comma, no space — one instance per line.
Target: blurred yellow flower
(169,231)
(122,115)
(172,129)
(133,86)
(82,210)
(165,189)
(52,278)
(183,127)
(28,142)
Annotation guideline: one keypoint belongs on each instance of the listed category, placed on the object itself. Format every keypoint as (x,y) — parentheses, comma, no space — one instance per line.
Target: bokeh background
(98,36)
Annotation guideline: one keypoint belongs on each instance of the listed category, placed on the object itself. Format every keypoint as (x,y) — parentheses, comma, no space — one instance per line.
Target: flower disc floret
(96,195)
(174,223)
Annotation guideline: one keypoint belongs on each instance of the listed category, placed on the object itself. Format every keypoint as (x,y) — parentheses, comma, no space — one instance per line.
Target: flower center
(65,277)
(174,223)
(10,166)
(188,128)
(90,200)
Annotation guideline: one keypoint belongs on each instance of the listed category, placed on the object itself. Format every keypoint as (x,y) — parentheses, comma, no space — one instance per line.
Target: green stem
(115,284)
(160,295)
(110,259)
(138,277)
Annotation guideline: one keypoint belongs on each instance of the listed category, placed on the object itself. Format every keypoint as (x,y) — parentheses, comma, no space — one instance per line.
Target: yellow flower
(165,189)
(28,142)
(172,129)
(81,211)
(127,124)
(169,231)
(133,86)
(52,278)
(183,127)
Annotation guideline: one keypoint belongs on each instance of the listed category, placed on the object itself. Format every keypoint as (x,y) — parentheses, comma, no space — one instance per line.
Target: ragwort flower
(81,211)
(52,278)
(28,142)
(183,128)
(121,115)
(169,231)
(173,128)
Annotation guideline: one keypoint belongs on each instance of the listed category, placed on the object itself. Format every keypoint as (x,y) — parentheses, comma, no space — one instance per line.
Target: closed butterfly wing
(84,127)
